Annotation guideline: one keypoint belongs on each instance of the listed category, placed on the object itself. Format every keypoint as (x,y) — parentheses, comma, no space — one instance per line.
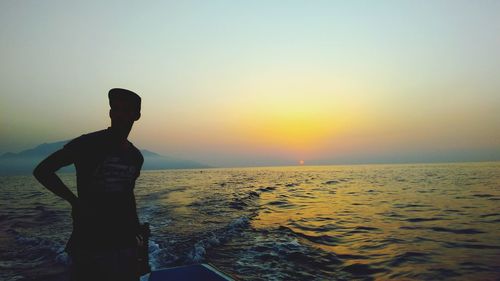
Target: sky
(251,83)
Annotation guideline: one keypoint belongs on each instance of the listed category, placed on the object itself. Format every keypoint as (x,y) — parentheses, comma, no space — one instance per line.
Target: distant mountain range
(25,161)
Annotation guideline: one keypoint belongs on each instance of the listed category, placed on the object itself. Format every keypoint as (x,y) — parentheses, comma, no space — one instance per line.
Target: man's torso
(106,174)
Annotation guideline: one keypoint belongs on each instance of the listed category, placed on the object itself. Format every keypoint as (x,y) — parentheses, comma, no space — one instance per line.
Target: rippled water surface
(401,222)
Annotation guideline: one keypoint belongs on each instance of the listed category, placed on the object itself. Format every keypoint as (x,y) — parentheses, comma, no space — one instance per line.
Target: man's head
(125,109)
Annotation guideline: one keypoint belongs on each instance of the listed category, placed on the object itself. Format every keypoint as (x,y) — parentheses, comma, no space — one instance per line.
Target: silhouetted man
(105,223)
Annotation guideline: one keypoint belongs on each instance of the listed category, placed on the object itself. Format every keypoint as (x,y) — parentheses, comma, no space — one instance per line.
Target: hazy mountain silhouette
(24,162)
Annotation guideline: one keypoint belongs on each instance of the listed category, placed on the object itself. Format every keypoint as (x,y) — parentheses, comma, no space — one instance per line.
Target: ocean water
(363,222)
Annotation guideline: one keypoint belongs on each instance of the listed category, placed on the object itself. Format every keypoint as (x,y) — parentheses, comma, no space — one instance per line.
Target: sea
(359,222)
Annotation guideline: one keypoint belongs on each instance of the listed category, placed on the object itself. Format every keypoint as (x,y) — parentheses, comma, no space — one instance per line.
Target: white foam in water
(63,257)
(41,243)
(197,254)
(154,252)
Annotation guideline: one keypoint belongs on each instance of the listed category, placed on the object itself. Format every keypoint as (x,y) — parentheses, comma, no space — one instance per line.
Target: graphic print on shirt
(114,175)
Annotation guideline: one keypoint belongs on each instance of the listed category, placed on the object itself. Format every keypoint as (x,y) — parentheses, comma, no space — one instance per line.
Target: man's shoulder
(89,139)
(95,136)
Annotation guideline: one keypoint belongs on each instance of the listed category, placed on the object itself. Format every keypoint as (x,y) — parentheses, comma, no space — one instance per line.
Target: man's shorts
(117,265)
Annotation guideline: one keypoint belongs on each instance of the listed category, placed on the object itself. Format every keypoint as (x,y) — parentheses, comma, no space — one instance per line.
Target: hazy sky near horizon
(259,82)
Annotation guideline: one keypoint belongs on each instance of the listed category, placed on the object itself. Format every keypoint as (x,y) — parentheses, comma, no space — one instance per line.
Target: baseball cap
(124,94)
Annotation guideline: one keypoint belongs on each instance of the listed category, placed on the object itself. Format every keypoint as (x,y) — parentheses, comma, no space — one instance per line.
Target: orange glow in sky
(259,82)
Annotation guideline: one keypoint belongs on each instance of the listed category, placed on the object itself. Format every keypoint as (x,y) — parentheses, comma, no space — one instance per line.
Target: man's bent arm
(45,173)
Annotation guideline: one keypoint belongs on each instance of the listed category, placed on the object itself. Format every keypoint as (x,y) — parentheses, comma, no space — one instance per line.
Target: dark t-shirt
(106,175)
